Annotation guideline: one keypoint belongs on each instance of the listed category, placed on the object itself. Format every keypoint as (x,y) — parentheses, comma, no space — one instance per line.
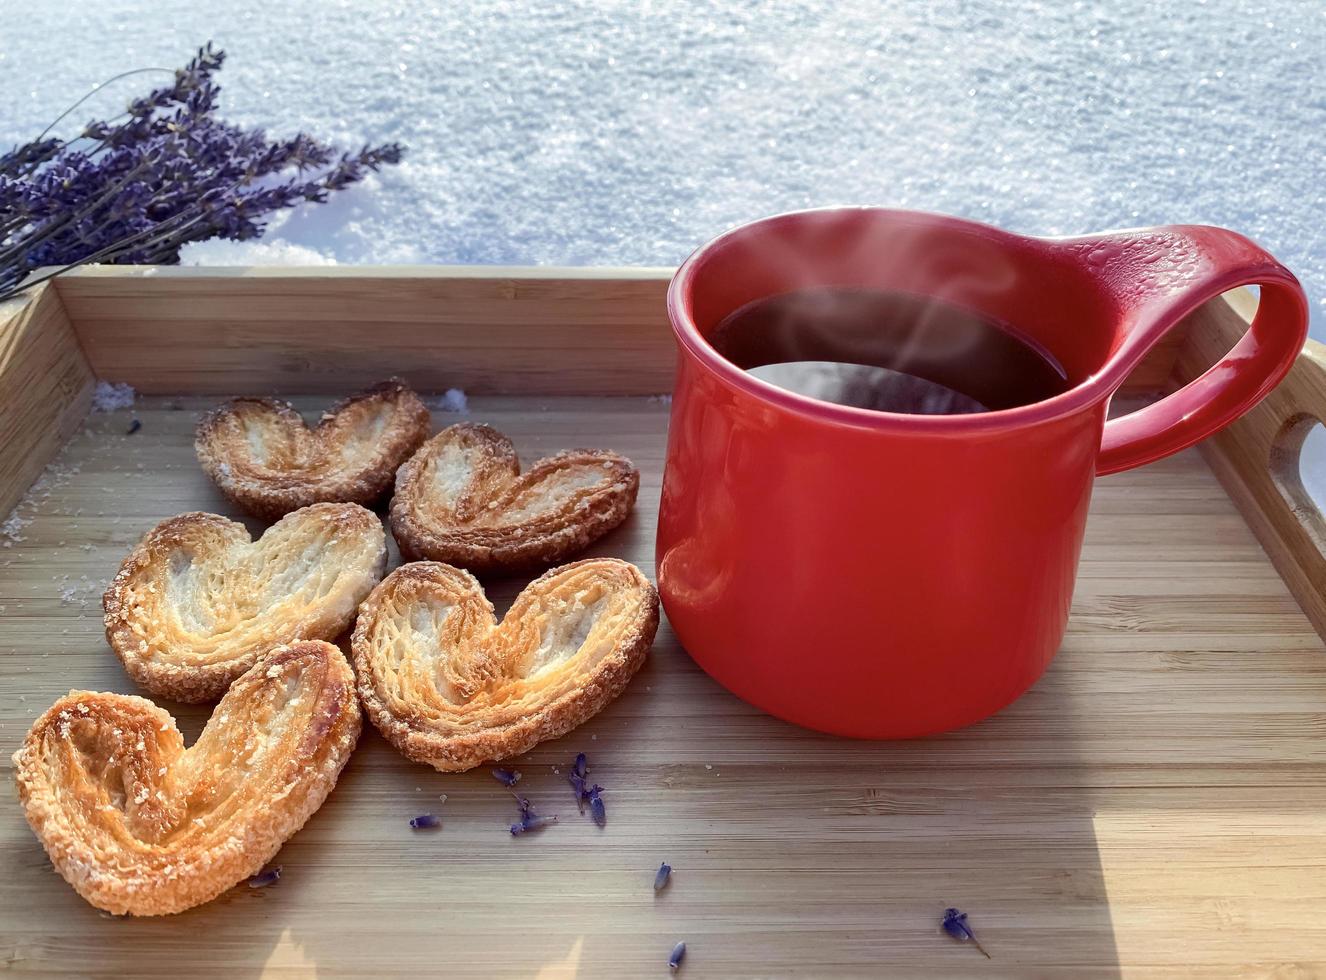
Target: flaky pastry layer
(462,499)
(262,456)
(139,824)
(450,687)
(196,602)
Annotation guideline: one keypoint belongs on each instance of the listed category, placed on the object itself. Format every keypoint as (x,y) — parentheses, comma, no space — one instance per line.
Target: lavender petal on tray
(507,777)
(426,821)
(264,878)
(529,819)
(955,924)
(663,876)
(678,954)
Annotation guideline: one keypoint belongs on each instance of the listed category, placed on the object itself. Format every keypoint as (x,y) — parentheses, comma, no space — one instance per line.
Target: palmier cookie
(450,687)
(139,824)
(461,499)
(197,600)
(263,457)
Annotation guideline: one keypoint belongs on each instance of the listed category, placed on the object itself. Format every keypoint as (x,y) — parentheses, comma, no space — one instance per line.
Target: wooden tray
(1155,806)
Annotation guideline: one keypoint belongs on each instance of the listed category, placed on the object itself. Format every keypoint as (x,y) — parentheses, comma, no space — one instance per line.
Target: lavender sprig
(955,924)
(426,821)
(141,185)
(662,877)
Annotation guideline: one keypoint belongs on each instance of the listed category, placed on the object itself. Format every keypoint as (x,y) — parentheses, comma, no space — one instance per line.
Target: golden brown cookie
(462,499)
(451,687)
(139,824)
(262,456)
(196,602)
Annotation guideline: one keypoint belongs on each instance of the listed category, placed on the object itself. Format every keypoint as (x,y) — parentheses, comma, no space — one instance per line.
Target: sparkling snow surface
(627,133)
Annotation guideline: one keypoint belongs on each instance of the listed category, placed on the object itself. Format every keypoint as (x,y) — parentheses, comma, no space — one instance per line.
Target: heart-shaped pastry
(137,823)
(262,456)
(450,687)
(196,602)
(462,499)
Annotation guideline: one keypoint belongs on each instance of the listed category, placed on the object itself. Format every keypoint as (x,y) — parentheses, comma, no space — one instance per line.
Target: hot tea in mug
(888,352)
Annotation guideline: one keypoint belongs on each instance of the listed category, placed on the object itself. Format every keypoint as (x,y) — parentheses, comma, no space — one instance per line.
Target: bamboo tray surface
(1156,805)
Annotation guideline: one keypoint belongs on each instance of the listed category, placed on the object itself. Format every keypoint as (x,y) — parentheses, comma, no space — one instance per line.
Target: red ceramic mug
(883,575)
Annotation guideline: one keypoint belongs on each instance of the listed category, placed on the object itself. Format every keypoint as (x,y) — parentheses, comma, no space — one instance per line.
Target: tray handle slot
(1258,457)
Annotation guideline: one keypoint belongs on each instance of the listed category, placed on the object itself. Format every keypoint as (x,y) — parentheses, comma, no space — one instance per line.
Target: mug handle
(1157,276)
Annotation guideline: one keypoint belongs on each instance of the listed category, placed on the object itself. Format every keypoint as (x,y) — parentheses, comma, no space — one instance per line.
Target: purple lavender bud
(580,767)
(507,777)
(578,784)
(955,924)
(678,954)
(663,877)
(426,821)
(531,821)
(596,807)
(134,426)
(264,878)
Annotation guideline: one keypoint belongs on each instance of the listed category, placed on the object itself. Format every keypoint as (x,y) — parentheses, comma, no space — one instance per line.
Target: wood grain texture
(1257,458)
(317,331)
(45,388)
(1155,807)
(482,329)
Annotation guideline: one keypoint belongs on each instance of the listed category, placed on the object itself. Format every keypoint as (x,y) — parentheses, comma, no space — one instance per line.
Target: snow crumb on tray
(451,400)
(10,530)
(110,397)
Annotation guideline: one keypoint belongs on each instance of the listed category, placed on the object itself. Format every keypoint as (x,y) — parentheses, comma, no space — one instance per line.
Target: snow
(110,397)
(219,251)
(628,132)
(452,400)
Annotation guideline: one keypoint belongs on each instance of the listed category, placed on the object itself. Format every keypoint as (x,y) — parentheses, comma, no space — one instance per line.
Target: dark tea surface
(891,352)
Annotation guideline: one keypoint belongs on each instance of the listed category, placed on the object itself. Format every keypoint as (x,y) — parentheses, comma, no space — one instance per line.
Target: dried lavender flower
(529,820)
(578,784)
(596,808)
(663,876)
(507,777)
(426,821)
(264,878)
(955,924)
(678,954)
(532,821)
(167,172)
(134,426)
(580,767)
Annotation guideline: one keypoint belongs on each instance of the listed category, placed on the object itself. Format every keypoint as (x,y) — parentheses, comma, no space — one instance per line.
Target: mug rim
(1087,392)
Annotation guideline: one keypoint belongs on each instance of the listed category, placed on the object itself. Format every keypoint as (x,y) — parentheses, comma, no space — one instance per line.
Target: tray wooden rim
(557,330)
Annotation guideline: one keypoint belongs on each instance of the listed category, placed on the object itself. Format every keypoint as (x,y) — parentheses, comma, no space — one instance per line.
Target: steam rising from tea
(885,351)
